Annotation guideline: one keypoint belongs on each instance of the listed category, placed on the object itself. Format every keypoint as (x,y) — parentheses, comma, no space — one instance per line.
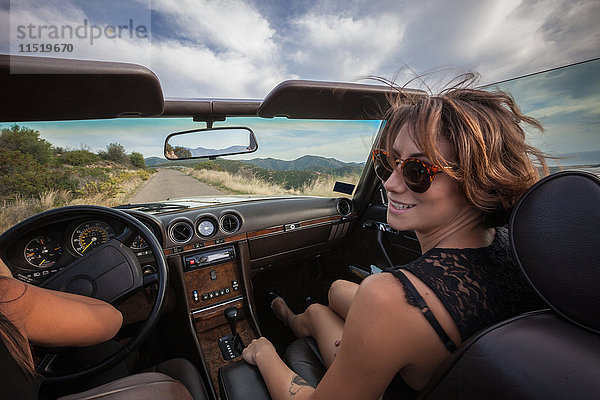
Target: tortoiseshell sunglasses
(417,174)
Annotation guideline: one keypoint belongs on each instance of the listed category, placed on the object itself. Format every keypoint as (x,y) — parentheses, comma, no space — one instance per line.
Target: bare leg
(318,321)
(341,294)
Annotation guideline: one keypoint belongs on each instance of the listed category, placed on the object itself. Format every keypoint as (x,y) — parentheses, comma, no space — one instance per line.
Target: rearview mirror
(210,143)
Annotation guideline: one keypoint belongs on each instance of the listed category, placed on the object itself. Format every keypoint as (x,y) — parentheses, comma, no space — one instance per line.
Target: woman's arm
(282,382)
(382,335)
(51,318)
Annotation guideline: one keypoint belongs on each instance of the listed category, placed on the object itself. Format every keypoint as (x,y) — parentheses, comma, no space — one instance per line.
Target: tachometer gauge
(43,251)
(90,235)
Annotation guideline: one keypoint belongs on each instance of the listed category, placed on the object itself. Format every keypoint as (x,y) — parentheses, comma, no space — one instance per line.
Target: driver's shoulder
(15,301)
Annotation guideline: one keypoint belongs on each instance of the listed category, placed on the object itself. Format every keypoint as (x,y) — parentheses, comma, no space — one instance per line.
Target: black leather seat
(175,379)
(551,354)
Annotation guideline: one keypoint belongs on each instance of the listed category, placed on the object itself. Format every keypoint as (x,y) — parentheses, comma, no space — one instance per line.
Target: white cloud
(344,48)
(196,71)
(229,26)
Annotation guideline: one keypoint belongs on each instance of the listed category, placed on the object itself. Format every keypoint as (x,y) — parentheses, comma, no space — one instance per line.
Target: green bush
(78,157)
(137,160)
(21,174)
(208,165)
(27,141)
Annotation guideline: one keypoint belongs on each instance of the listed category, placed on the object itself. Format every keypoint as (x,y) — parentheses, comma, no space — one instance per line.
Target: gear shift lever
(231,345)
(231,314)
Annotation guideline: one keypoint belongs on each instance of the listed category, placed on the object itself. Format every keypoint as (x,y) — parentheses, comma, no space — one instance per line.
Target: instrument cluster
(49,249)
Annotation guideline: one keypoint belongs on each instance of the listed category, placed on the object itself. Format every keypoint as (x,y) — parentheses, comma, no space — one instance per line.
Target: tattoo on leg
(296,384)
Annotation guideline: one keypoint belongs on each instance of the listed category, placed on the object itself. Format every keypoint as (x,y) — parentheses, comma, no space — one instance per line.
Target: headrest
(555,237)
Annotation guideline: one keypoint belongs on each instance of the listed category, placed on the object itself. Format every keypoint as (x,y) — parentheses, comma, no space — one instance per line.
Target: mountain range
(323,164)
(312,163)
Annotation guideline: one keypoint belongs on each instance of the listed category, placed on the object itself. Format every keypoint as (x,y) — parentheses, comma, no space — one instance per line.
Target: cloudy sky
(235,48)
(242,49)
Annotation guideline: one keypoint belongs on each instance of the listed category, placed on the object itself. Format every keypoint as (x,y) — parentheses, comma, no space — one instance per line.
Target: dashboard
(270,228)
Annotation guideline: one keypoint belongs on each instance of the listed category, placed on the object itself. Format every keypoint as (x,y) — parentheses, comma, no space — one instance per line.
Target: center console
(218,305)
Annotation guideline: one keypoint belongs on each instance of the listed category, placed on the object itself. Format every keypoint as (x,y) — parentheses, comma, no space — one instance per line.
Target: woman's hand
(260,345)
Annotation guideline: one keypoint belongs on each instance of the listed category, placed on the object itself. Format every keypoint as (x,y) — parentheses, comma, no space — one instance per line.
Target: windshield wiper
(152,206)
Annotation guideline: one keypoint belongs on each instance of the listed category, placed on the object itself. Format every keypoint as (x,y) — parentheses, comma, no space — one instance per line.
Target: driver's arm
(57,319)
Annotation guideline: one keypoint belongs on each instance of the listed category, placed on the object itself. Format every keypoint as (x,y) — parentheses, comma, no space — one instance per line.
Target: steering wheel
(110,272)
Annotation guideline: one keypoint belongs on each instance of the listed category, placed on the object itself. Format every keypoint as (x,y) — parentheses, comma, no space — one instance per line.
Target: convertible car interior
(192,279)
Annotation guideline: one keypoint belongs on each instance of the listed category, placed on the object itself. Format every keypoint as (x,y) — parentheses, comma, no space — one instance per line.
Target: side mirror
(210,143)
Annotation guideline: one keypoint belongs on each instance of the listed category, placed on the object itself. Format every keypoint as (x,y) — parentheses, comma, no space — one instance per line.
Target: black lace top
(478,287)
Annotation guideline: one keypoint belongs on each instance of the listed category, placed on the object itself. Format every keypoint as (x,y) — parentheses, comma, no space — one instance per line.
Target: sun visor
(53,89)
(301,99)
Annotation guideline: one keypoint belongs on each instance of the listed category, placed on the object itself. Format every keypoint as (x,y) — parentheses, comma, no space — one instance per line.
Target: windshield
(567,103)
(121,161)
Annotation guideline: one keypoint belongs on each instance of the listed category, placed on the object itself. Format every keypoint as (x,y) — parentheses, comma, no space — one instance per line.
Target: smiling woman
(456,164)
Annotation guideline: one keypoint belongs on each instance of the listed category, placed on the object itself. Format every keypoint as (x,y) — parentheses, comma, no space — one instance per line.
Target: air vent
(344,207)
(230,223)
(181,232)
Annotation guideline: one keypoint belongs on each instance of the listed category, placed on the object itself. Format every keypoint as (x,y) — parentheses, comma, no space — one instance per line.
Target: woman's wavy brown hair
(491,160)
(16,344)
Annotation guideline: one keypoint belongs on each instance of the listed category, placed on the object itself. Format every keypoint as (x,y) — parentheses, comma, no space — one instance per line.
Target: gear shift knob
(231,314)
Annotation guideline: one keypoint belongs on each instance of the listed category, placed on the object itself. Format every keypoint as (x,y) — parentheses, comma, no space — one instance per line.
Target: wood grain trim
(205,244)
(267,231)
(236,238)
(317,221)
(201,281)
(302,224)
(213,317)
(210,347)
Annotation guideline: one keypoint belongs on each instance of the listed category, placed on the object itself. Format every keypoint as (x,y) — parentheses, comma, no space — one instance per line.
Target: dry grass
(236,184)
(250,184)
(15,210)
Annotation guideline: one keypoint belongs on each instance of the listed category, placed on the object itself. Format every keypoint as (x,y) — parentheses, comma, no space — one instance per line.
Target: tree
(115,152)
(137,160)
(27,141)
(182,152)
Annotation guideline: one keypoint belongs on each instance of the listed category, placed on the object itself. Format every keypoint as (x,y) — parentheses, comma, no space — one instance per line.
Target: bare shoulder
(382,291)
(381,302)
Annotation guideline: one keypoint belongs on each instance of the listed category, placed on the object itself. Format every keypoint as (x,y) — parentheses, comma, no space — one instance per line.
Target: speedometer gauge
(43,251)
(90,235)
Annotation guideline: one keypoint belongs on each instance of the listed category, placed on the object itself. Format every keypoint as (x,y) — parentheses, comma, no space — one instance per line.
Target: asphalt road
(172,184)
